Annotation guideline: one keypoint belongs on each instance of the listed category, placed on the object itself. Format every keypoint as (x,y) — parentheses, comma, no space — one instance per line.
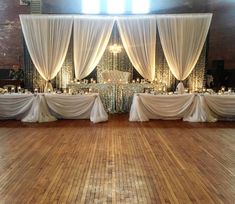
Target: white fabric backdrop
(47,38)
(91,37)
(138,36)
(182,38)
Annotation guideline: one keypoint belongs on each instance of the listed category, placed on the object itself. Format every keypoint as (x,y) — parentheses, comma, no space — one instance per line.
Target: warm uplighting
(115,49)
(140,6)
(115,6)
(91,6)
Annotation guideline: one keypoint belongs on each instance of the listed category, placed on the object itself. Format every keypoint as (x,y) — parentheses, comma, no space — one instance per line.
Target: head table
(189,107)
(50,107)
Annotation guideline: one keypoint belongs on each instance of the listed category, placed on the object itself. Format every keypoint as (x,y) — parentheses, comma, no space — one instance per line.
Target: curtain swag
(182,37)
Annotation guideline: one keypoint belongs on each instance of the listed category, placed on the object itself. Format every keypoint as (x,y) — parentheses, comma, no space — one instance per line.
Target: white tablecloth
(14,106)
(221,106)
(77,107)
(147,106)
(49,107)
(189,107)
(200,112)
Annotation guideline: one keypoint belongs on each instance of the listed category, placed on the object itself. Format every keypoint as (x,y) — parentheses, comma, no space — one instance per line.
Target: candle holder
(12,90)
(222,89)
(19,89)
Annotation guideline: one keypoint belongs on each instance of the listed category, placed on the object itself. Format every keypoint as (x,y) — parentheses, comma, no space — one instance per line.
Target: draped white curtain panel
(47,38)
(138,36)
(182,38)
(91,36)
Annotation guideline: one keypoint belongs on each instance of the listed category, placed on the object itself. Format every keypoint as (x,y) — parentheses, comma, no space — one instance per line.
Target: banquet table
(77,107)
(222,107)
(188,107)
(116,97)
(50,107)
(148,106)
(15,106)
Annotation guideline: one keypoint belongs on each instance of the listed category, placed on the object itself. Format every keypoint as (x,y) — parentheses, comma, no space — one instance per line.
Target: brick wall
(10,33)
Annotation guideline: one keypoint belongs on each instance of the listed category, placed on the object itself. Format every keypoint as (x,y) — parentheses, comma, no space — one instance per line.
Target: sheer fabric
(39,111)
(15,106)
(138,36)
(182,38)
(49,107)
(77,107)
(222,105)
(91,37)
(200,111)
(147,106)
(47,38)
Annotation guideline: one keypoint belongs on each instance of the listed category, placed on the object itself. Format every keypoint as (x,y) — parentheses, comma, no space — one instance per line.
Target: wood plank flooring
(75,161)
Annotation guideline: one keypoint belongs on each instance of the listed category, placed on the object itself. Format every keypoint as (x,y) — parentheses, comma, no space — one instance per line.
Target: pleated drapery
(182,38)
(47,38)
(91,36)
(138,36)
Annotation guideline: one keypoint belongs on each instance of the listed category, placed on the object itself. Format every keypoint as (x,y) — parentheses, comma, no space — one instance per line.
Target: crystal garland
(115,97)
(196,79)
(66,74)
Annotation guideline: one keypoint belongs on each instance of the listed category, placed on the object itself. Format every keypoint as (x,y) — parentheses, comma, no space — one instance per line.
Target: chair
(116,76)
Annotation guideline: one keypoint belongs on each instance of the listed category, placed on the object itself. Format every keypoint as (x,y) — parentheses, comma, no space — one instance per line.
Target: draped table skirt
(189,107)
(50,107)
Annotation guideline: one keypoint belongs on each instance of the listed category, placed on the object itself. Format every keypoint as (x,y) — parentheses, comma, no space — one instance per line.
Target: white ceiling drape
(91,36)
(47,38)
(138,36)
(182,38)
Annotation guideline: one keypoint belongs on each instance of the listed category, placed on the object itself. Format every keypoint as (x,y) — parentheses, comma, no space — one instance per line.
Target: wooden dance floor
(75,161)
